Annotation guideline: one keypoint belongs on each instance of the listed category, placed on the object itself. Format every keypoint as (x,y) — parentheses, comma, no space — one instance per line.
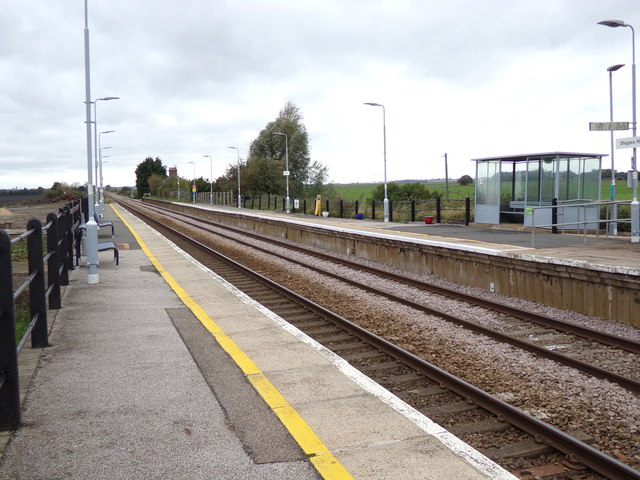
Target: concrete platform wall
(592,292)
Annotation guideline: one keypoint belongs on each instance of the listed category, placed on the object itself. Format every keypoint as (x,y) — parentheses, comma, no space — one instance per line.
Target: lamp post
(613,230)
(384,137)
(238,164)
(211,179)
(99,176)
(193,186)
(93,263)
(635,206)
(98,208)
(286,167)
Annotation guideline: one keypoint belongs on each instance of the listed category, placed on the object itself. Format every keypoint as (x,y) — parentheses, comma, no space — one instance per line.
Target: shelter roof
(525,157)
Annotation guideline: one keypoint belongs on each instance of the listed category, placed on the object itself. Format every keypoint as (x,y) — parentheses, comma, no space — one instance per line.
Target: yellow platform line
(322,459)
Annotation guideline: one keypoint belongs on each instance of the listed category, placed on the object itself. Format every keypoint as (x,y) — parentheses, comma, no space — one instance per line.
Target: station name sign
(606,126)
(632,142)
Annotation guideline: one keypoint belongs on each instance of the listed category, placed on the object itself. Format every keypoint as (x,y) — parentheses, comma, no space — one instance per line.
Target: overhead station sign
(631,142)
(606,126)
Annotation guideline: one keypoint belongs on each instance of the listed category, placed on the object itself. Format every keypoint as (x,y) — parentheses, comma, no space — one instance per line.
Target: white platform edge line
(453,443)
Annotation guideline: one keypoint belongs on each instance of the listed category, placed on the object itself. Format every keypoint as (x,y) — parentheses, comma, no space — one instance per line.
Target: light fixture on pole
(613,230)
(384,139)
(98,209)
(193,186)
(238,164)
(211,179)
(91,230)
(635,206)
(99,174)
(286,168)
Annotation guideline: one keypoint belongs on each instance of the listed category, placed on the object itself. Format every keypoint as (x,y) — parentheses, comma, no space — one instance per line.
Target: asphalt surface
(509,236)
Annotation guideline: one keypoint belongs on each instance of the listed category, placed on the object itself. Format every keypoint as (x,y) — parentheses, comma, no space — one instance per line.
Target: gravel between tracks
(558,395)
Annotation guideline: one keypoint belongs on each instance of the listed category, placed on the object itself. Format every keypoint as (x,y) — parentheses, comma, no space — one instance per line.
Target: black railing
(452,211)
(44,286)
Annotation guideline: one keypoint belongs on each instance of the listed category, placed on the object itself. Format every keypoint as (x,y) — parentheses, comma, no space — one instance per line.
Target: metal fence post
(68,232)
(9,379)
(373,209)
(341,208)
(554,215)
(63,229)
(467,211)
(37,297)
(438,210)
(413,210)
(53,263)
(390,211)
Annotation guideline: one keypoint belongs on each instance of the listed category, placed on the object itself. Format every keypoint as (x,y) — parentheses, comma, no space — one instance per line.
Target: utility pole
(446,177)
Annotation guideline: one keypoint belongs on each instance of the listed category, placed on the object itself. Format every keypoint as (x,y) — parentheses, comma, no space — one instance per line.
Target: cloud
(471,79)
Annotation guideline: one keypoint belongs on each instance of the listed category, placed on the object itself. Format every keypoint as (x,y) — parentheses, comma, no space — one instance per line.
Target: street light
(612,191)
(99,177)
(211,179)
(98,208)
(384,136)
(93,261)
(635,206)
(193,187)
(238,164)
(286,167)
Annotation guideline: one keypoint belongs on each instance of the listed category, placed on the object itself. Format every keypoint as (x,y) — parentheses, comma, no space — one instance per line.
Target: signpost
(631,142)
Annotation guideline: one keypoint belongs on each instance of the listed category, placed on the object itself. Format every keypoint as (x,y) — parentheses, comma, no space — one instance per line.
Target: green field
(363,191)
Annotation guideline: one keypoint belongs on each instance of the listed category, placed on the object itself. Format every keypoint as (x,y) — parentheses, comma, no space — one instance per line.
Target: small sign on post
(631,142)
(607,126)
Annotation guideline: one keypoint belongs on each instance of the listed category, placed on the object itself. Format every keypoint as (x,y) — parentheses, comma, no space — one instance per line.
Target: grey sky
(470,78)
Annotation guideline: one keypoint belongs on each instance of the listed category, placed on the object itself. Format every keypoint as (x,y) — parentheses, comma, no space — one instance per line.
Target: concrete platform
(165,371)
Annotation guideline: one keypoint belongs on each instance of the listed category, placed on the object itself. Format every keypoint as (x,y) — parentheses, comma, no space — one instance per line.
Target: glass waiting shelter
(506,187)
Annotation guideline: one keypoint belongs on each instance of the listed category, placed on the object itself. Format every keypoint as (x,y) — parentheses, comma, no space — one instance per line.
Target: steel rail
(625,382)
(540,319)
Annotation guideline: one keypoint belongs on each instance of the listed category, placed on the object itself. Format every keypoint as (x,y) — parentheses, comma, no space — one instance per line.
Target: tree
(403,193)
(154,182)
(415,191)
(202,185)
(465,180)
(267,158)
(144,170)
(393,192)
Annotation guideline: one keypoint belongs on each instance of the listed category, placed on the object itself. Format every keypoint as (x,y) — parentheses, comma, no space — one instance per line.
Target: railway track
(467,411)
(590,351)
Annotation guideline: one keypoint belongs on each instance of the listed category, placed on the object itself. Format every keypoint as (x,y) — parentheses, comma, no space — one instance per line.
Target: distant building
(173,171)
